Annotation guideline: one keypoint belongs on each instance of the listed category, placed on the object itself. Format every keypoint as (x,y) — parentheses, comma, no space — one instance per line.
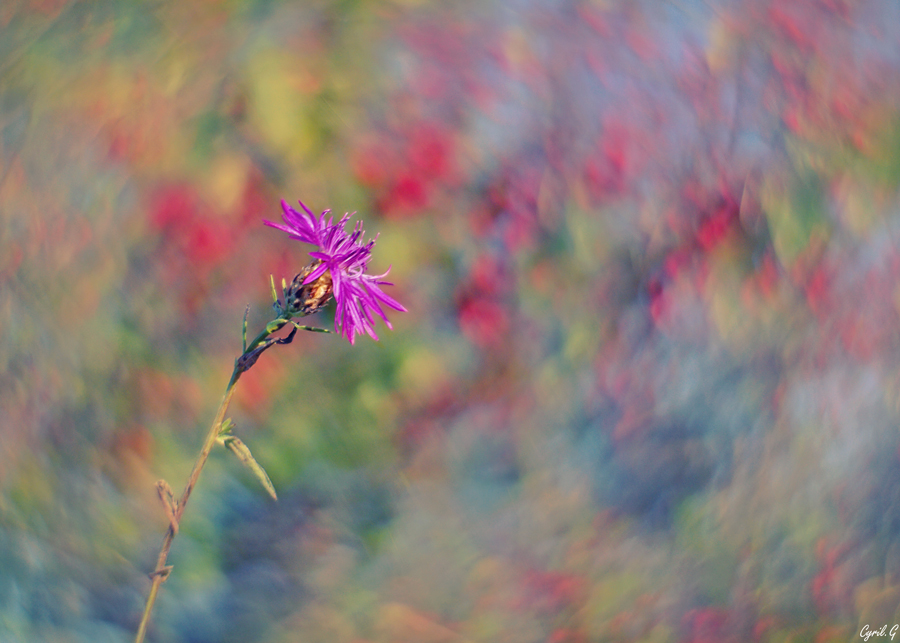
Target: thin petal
(307,210)
(384,298)
(280,226)
(317,272)
(337,285)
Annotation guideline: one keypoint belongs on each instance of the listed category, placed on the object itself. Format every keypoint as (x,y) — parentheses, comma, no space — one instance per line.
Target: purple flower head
(345,257)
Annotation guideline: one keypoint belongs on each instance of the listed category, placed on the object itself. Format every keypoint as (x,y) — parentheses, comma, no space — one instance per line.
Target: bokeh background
(648,387)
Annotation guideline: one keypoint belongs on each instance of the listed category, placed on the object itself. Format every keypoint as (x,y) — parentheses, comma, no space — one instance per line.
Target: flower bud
(305,299)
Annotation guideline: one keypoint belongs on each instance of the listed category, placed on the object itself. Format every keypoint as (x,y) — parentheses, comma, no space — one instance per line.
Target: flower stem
(162,570)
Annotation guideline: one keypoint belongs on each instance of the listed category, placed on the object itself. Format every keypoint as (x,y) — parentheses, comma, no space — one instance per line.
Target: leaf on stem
(312,329)
(170,505)
(238,448)
(244,329)
(248,359)
(225,429)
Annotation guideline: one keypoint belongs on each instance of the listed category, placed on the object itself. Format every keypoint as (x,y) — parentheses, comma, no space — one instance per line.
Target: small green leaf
(238,448)
(244,329)
(274,294)
(310,328)
(225,429)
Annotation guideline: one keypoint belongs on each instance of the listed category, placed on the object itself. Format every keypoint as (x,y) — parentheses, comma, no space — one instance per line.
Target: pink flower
(345,258)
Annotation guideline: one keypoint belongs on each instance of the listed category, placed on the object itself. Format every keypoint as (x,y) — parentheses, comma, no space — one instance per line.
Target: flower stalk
(161,572)
(175,510)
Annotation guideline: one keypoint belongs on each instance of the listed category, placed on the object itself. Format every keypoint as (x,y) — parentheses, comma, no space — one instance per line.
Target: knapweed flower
(339,269)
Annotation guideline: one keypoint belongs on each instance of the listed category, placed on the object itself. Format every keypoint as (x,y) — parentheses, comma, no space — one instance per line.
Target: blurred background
(648,387)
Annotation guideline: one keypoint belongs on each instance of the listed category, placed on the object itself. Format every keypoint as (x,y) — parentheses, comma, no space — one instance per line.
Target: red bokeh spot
(483,321)
(207,242)
(172,206)
(716,227)
(407,196)
(430,152)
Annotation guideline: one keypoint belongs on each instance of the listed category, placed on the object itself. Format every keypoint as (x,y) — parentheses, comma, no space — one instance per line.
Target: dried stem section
(162,570)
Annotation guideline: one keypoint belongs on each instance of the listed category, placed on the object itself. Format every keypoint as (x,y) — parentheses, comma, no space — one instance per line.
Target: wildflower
(339,269)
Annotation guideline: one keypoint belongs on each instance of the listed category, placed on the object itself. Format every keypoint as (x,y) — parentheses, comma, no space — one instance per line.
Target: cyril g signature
(866,633)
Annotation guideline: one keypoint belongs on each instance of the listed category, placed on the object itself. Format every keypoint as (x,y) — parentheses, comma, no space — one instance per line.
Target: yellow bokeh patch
(278,87)
(224,181)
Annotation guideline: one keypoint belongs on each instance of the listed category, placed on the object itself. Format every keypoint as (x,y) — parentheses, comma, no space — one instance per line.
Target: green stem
(162,570)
